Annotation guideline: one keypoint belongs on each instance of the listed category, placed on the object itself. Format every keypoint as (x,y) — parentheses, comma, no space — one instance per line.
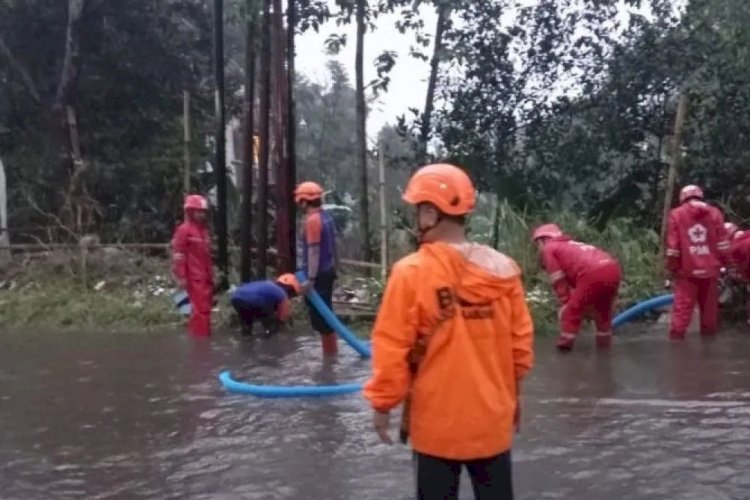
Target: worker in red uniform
(585,279)
(739,258)
(319,258)
(697,249)
(192,265)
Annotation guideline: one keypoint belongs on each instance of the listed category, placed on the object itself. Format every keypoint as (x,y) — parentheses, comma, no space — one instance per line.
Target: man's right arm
(393,335)
(674,252)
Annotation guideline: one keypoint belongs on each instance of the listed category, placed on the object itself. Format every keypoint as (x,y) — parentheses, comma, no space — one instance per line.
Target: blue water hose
(272,391)
(182,302)
(307,391)
(275,391)
(642,308)
(362,348)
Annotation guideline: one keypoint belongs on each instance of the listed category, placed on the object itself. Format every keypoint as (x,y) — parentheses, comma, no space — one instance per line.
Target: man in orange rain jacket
(452,340)
(319,258)
(192,265)
(585,279)
(697,249)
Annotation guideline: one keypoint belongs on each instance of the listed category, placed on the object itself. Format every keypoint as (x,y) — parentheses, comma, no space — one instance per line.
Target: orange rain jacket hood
(469,300)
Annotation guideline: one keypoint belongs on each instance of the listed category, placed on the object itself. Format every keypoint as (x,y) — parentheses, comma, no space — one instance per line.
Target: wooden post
(674,165)
(186,139)
(383,214)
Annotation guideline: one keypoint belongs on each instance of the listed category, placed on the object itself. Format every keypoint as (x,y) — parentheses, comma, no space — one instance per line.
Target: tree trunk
(285,261)
(265,117)
(362,132)
(71,60)
(4,236)
(444,13)
(248,143)
(291,131)
(220,167)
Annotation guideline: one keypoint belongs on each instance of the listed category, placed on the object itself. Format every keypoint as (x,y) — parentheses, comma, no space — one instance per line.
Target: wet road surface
(143,416)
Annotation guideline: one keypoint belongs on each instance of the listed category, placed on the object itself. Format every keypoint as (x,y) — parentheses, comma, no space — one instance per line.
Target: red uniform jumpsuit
(586,280)
(697,247)
(192,265)
(740,261)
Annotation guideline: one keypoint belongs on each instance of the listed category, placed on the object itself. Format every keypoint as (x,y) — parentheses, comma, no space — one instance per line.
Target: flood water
(143,416)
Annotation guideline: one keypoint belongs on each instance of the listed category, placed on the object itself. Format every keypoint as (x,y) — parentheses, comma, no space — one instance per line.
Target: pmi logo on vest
(698,234)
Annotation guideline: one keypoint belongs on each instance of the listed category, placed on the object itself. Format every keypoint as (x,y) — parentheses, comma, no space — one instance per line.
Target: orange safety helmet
(445,186)
(308,191)
(195,202)
(290,280)
(546,231)
(689,192)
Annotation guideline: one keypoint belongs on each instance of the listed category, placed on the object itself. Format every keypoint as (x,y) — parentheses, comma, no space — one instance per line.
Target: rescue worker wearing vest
(192,265)
(319,258)
(266,301)
(697,249)
(739,258)
(452,341)
(585,279)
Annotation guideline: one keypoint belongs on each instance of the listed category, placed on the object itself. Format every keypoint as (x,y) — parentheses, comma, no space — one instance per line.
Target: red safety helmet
(546,231)
(290,280)
(446,186)
(195,202)
(690,192)
(308,191)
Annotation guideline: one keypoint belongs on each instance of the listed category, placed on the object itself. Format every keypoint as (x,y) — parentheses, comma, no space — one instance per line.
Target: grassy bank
(104,290)
(117,290)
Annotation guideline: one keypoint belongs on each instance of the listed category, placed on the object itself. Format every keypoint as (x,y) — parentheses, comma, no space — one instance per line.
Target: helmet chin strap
(422,231)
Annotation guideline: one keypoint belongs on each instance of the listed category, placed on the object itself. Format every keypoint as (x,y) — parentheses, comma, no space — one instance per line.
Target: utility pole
(674,165)
(186,140)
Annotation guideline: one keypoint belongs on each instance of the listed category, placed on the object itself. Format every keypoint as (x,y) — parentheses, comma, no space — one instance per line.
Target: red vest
(697,244)
(191,247)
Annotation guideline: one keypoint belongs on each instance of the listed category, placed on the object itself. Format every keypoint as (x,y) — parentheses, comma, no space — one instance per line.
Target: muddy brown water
(143,416)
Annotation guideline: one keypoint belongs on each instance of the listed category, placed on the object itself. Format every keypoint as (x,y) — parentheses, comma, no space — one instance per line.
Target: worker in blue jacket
(266,301)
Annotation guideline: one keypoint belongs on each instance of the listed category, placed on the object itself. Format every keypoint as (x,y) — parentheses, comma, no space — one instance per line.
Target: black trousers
(324,284)
(438,478)
(249,314)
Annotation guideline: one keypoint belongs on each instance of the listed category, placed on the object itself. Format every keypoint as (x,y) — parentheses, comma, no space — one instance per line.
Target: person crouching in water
(319,258)
(266,301)
(452,340)
(192,265)
(585,279)
(697,249)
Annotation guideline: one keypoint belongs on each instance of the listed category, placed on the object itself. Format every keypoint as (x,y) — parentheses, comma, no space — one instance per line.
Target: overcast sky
(408,78)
